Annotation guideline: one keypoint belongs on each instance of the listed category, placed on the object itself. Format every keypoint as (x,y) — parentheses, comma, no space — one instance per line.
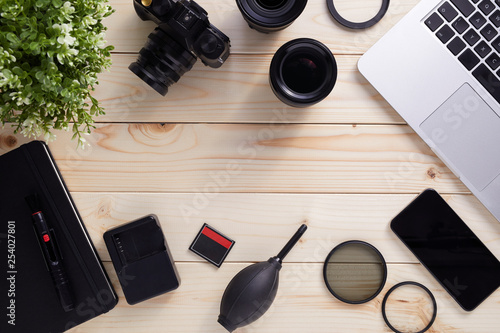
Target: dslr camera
(183,34)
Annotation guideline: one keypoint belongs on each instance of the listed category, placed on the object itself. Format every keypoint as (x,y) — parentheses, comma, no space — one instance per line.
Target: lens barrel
(270,15)
(162,61)
(303,72)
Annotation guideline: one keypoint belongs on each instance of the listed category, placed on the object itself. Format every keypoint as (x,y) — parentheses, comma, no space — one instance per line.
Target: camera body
(183,33)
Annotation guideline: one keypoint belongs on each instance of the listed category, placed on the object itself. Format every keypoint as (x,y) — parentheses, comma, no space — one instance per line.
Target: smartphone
(446,246)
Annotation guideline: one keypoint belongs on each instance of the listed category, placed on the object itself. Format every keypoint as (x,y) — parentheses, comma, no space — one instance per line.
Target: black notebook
(28,301)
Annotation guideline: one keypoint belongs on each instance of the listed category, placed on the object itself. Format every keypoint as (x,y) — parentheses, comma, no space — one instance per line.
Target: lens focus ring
(162,61)
(270,15)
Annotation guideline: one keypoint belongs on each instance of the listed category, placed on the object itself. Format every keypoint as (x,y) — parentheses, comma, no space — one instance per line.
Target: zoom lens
(271,4)
(270,15)
(303,72)
(162,61)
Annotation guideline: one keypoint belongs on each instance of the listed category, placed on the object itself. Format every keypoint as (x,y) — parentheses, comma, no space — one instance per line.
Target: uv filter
(355,272)
(409,307)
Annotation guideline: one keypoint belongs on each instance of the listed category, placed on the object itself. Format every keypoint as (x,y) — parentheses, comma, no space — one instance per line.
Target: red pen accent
(51,254)
(216,237)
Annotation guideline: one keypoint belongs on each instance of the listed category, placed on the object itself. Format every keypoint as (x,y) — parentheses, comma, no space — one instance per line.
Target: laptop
(439,68)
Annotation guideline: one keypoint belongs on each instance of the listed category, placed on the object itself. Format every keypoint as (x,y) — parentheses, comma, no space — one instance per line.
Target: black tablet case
(24,171)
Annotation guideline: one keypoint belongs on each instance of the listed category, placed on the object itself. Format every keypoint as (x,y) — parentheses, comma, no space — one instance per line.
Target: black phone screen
(446,246)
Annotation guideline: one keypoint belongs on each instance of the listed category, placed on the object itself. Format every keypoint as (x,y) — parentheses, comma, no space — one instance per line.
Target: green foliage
(50,54)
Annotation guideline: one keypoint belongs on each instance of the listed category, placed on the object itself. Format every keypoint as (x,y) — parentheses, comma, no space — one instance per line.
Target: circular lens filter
(357,25)
(355,272)
(409,307)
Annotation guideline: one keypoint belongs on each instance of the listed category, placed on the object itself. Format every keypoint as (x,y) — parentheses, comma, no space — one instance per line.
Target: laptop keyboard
(470,30)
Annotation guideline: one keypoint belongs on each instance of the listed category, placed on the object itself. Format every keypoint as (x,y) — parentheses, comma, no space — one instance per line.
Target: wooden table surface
(220,148)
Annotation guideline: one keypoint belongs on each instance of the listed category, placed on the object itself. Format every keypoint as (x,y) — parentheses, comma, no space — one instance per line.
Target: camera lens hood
(270,15)
(303,72)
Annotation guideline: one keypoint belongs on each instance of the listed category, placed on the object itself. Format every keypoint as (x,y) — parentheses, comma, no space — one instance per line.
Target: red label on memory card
(217,237)
(211,245)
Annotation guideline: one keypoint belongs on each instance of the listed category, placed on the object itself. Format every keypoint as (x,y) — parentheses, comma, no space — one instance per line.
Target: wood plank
(261,224)
(238,92)
(302,303)
(254,158)
(129,34)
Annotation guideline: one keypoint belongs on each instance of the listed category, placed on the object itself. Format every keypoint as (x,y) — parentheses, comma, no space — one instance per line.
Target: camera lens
(303,72)
(271,4)
(162,61)
(270,15)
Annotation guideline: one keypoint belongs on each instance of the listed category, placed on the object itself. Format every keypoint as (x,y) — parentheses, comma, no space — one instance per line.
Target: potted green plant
(50,54)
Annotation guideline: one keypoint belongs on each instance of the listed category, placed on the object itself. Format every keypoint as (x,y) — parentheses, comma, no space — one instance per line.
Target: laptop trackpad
(467,132)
